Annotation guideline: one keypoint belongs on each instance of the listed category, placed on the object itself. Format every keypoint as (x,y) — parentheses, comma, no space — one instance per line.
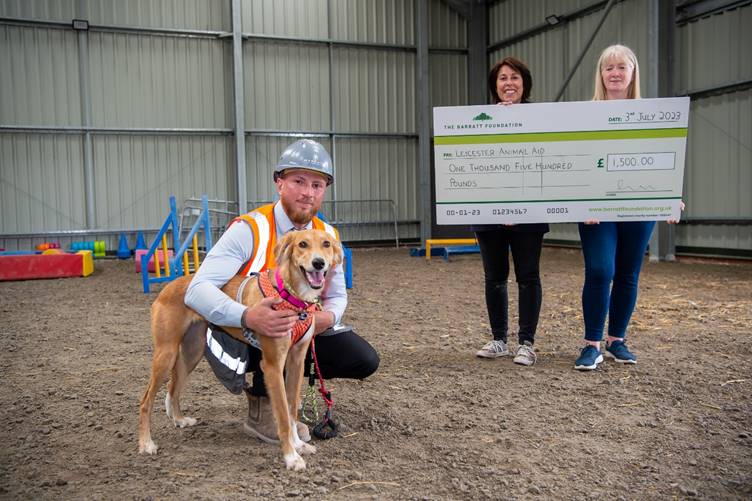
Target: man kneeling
(302,175)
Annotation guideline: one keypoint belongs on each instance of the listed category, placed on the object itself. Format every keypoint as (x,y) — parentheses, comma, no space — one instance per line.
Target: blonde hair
(623,54)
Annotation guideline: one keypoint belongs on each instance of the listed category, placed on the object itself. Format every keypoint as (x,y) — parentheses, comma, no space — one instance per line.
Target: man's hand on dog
(265,320)
(323,320)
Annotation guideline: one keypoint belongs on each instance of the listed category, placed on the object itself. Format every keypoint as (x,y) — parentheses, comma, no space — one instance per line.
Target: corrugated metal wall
(342,71)
(376,21)
(288,86)
(365,99)
(718,175)
(446,27)
(448,79)
(291,18)
(714,51)
(711,51)
(551,54)
(374,91)
(137,173)
(136,80)
(509,17)
(42,182)
(150,81)
(391,176)
(357,99)
(31,59)
(447,70)
(174,14)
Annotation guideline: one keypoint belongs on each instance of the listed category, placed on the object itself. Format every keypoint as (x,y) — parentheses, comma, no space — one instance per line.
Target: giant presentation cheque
(560,162)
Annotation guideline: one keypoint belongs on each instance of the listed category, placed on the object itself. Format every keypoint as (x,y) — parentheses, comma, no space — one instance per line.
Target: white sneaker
(493,349)
(525,354)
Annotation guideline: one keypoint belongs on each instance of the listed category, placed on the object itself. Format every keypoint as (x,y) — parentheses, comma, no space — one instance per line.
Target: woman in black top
(510,83)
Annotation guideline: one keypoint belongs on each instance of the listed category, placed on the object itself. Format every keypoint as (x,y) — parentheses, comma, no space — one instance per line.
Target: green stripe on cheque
(561,136)
(609,199)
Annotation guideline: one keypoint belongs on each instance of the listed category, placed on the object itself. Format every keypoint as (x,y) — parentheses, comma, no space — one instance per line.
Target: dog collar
(285,294)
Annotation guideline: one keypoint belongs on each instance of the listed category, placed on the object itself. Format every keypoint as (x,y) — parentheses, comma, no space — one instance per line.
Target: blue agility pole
(173,268)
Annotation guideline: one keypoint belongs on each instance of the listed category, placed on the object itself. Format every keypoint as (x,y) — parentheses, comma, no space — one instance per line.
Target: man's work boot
(260,421)
(261,424)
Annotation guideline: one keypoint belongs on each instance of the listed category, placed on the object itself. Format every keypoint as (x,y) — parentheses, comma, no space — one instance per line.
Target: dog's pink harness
(304,309)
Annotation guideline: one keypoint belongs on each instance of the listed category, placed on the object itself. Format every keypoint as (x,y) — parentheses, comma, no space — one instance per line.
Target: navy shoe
(620,353)
(590,357)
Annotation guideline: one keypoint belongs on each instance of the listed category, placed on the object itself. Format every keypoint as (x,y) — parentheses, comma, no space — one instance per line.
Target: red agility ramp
(31,266)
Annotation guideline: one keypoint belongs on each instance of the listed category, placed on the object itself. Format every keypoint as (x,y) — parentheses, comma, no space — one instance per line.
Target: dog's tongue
(315,278)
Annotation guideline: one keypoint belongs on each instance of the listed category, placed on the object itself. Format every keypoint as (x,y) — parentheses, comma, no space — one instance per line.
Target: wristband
(242,320)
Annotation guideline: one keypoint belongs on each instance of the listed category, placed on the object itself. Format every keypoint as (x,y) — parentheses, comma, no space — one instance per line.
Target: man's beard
(297,216)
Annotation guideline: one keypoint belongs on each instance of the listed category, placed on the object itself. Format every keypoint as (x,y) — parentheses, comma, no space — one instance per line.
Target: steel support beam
(717,90)
(75,233)
(423,114)
(691,10)
(237,70)
(88,149)
(178,131)
(665,40)
(102,28)
(716,221)
(330,133)
(461,7)
(477,65)
(222,35)
(128,131)
(651,70)
(332,115)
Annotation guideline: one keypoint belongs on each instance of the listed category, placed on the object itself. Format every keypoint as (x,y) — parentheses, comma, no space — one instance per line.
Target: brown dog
(303,259)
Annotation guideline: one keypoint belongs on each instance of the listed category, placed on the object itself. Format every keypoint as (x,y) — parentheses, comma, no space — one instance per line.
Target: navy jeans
(613,253)
(526,251)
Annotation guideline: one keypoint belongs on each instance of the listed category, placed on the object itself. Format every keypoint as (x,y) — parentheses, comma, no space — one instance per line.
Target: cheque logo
(483,116)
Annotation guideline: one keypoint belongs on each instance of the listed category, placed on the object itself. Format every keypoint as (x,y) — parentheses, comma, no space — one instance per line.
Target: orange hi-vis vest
(261,221)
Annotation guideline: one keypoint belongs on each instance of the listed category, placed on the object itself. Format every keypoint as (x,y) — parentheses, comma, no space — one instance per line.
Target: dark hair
(519,67)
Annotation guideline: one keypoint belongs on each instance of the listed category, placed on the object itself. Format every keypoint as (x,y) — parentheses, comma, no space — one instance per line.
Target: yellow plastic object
(52,251)
(195,253)
(447,241)
(186,268)
(157,270)
(166,257)
(87,263)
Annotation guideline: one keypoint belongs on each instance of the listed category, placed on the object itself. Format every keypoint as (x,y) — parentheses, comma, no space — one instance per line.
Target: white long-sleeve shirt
(228,256)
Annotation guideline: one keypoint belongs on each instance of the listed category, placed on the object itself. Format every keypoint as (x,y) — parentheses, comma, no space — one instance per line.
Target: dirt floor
(435,422)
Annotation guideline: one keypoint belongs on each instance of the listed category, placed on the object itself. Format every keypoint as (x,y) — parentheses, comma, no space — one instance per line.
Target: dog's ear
(283,249)
(337,251)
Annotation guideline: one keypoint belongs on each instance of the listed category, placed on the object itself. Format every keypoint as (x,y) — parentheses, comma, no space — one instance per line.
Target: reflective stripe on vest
(264,231)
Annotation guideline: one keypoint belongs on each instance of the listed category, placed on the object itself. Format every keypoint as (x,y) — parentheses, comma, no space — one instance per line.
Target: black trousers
(526,251)
(340,355)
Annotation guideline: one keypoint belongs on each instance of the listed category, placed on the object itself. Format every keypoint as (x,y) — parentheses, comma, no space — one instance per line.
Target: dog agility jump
(159,257)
